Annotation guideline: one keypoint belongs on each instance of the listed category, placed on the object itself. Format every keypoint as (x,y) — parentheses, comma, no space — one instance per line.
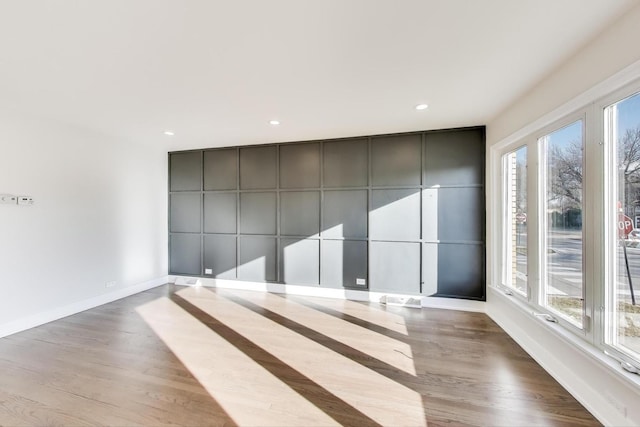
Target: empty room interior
(321,213)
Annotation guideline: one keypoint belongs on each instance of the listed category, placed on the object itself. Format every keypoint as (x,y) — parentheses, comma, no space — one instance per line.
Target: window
(622,133)
(570,219)
(515,167)
(562,243)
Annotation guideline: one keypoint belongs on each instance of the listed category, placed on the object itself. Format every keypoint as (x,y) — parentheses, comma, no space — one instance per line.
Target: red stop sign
(625,226)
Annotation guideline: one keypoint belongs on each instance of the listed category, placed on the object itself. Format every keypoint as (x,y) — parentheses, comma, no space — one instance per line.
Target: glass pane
(624,129)
(562,201)
(515,168)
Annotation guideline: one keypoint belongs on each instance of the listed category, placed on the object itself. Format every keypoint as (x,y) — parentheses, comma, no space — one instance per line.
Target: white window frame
(609,203)
(589,106)
(539,297)
(506,206)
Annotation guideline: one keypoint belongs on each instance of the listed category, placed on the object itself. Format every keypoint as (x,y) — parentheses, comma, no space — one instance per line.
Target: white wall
(100,215)
(608,53)
(594,379)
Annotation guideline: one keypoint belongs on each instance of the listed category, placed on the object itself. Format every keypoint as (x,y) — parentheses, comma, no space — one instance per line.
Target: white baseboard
(349,294)
(595,380)
(77,307)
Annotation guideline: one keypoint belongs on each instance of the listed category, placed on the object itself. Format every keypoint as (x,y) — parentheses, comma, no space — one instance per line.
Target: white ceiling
(215,72)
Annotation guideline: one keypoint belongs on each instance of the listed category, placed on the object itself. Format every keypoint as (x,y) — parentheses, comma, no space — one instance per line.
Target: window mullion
(533,238)
(594,195)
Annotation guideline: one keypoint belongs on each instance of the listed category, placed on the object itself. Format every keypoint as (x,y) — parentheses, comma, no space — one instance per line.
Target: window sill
(593,378)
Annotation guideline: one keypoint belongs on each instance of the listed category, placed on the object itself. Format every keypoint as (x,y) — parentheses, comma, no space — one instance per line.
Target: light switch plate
(8,199)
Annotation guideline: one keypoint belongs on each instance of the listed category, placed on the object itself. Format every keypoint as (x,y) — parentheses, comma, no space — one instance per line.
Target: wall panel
(345,214)
(258,212)
(220,213)
(343,263)
(258,167)
(220,256)
(300,261)
(395,267)
(459,266)
(460,216)
(221,169)
(454,158)
(185,213)
(258,257)
(185,254)
(300,213)
(185,171)
(346,163)
(395,160)
(300,166)
(395,214)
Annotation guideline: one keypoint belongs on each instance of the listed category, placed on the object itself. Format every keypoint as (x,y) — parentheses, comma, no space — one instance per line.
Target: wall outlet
(208,271)
(110,284)
(8,199)
(616,403)
(361,282)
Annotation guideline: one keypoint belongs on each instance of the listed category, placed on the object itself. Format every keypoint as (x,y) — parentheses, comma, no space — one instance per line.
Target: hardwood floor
(198,356)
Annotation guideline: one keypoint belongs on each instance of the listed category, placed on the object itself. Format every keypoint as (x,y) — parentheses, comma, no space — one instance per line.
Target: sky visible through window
(567,135)
(628,118)
(629,114)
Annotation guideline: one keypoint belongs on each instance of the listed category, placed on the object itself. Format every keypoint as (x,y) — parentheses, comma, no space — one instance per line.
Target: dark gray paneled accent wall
(394,213)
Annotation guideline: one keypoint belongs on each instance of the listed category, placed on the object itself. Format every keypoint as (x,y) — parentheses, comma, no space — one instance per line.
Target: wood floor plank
(198,356)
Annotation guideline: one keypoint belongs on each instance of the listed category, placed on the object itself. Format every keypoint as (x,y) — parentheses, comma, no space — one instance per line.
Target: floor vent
(186,281)
(410,302)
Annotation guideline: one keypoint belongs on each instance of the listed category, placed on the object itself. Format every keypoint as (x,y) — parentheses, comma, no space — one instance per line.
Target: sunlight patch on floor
(378,397)
(388,350)
(374,314)
(246,391)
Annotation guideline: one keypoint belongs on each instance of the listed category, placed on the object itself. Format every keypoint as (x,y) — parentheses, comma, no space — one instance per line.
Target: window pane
(562,201)
(624,316)
(515,167)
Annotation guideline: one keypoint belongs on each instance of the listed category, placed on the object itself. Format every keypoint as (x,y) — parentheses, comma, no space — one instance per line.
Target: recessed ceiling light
(422,107)
(274,122)
(169,132)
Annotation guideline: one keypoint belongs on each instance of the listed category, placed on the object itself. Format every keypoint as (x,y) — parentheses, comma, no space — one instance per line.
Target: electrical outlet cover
(25,200)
